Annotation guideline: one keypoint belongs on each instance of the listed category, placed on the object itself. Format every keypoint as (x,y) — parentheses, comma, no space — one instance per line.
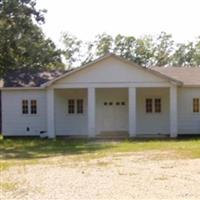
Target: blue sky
(87,18)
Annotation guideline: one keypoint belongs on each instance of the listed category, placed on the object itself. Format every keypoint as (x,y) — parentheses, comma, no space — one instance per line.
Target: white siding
(188,122)
(14,122)
(152,123)
(111,70)
(70,124)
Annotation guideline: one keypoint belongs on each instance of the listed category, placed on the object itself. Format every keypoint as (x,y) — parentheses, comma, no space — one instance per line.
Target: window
(71,106)
(157,104)
(24,106)
(149,105)
(33,107)
(196,105)
(80,106)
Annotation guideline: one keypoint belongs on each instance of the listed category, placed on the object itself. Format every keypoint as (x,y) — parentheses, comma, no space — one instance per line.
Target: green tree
(103,44)
(146,51)
(163,49)
(23,45)
(72,51)
(124,46)
(183,55)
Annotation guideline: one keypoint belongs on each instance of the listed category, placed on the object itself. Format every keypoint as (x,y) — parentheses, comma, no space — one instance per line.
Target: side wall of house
(16,123)
(188,121)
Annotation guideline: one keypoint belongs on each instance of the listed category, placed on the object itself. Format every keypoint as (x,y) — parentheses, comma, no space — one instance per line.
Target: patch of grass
(17,151)
(8,186)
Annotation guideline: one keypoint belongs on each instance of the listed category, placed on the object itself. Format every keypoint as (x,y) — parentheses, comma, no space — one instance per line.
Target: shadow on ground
(16,148)
(30,148)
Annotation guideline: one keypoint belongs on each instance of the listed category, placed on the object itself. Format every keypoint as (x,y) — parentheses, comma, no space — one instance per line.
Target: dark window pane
(157,105)
(24,106)
(80,106)
(196,105)
(149,106)
(71,106)
(33,107)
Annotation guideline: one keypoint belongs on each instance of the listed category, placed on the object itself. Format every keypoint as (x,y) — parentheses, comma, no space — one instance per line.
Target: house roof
(31,79)
(27,79)
(190,76)
(156,73)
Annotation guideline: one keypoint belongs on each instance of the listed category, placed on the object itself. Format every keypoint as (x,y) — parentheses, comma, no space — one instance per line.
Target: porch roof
(189,76)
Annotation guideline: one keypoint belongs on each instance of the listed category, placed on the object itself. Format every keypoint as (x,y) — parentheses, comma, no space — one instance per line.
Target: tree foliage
(22,42)
(146,51)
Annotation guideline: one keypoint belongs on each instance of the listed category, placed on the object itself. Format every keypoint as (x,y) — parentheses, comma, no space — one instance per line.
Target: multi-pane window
(153,105)
(29,106)
(80,106)
(71,106)
(33,107)
(24,106)
(196,105)
(149,105)
(75,106)
(157,104)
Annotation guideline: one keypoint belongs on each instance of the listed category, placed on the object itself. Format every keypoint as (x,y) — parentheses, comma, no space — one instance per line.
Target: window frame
(153,98)
(147,104)
(23,106)
(196,106)
(33,107)
(160,105)
(70,106)
(79,106)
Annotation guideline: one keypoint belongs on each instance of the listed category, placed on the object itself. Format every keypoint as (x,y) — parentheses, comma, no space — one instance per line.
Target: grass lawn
(18,151)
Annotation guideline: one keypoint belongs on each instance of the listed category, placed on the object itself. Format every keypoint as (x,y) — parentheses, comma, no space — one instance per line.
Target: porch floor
(113,135)
(125,135)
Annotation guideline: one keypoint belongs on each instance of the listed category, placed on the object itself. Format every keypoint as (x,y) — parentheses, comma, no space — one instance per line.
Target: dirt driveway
(121,176)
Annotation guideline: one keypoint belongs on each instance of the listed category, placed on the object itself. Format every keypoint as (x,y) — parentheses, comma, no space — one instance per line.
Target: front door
(115,115)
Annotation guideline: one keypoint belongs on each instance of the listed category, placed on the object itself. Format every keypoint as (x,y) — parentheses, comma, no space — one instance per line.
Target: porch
(112,111)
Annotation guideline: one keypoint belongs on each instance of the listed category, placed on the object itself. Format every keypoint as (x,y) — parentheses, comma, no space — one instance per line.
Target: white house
(108,96)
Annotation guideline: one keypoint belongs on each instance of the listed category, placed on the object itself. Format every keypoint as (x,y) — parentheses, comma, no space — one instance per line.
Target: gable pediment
(110,70)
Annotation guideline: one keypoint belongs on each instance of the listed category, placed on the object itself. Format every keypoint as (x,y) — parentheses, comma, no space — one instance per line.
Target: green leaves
(146,51)
(22,42)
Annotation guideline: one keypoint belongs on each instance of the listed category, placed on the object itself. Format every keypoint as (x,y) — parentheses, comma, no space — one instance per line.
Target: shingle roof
(29,78)
(190,76)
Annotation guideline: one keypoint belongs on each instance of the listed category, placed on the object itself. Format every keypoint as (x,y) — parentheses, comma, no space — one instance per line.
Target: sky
(87,18)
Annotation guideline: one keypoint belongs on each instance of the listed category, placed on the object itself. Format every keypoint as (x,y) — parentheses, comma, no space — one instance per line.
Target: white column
(173,112)
(132,111)
(50,114)
(91,112)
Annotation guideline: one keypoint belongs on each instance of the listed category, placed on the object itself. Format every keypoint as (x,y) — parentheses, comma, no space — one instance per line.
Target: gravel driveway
(121,176)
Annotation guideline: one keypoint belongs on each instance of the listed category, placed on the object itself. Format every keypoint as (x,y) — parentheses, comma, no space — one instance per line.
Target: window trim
(198,105)
(68,106)
(29,114)
(77,106)
(31,107)
(153,104)
(160,104)
(22,107)
(145,105)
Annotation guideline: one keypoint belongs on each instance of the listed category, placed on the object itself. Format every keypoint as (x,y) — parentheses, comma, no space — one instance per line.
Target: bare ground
(144,175)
